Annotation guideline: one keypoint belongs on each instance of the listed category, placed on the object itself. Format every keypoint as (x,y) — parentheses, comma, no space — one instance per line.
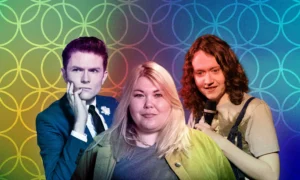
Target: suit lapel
(99,104)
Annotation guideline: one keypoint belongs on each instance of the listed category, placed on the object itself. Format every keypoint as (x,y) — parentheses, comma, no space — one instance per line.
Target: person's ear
(64,74)
(105,74)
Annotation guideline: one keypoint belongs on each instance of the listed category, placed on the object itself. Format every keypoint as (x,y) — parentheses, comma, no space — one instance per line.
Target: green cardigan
(204,160)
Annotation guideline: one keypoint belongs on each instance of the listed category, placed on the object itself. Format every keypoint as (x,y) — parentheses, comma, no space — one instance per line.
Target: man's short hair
(85,44)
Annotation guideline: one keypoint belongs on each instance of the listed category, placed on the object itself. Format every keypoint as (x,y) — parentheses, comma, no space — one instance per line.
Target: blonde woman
(149,138)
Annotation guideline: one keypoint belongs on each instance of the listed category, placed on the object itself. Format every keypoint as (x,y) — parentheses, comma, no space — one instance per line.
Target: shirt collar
(93,103)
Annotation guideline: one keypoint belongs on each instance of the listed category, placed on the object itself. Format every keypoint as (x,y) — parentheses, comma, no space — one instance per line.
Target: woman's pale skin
(149,110)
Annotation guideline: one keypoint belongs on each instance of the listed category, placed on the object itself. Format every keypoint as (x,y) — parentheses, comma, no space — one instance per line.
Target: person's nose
(148,103)
(208,80)
(85,77)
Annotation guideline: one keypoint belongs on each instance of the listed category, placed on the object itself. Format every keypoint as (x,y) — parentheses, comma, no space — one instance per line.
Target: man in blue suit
(67,126)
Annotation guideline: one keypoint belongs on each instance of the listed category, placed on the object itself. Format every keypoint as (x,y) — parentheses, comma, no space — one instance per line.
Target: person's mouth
(85,88)
(210,89)
(148,115)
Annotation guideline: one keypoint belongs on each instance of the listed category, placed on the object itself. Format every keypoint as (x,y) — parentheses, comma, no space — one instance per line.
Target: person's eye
(75,70)
(216,70)
(94,70)
(138,95)
(157,95)
(200,73)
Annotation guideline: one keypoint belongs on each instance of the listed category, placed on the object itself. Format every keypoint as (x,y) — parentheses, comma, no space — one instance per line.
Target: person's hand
(203,126)
(79,108)
(206,128)
(209,130)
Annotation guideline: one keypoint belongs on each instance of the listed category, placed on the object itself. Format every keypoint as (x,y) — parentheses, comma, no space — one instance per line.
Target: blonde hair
(173,137)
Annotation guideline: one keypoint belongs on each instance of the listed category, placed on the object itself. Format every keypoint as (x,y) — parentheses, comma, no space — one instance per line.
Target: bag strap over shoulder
(234,129)
(243,111)
(235,134)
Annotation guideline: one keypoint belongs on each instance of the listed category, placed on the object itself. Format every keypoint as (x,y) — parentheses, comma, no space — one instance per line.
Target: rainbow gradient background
(263,33)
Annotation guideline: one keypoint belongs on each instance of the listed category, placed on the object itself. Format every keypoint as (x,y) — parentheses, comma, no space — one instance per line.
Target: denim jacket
(204,160)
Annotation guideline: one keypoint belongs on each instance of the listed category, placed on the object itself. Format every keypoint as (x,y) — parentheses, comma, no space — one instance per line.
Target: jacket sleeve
(224,168)
(59,155)
(218,159)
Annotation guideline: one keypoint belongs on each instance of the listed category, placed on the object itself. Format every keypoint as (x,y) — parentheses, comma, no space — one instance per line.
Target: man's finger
(83,102)
(214,124)
(68,86)
(202,120)
(76,96)
(70,93)
(198,126)
(203,124)
(71,90)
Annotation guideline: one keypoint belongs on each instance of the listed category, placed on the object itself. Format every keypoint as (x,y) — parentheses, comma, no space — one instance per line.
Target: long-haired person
(212,72)
(149,138)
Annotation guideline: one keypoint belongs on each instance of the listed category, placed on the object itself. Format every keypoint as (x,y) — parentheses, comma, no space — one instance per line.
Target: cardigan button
(177,164)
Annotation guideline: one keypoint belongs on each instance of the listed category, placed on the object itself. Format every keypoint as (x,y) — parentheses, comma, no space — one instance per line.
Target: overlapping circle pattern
(263,33)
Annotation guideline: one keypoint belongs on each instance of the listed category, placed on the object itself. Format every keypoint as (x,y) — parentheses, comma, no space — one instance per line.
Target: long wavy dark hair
(236,81)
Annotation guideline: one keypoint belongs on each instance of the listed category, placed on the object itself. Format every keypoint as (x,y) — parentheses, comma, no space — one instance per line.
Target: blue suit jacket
(59,150)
